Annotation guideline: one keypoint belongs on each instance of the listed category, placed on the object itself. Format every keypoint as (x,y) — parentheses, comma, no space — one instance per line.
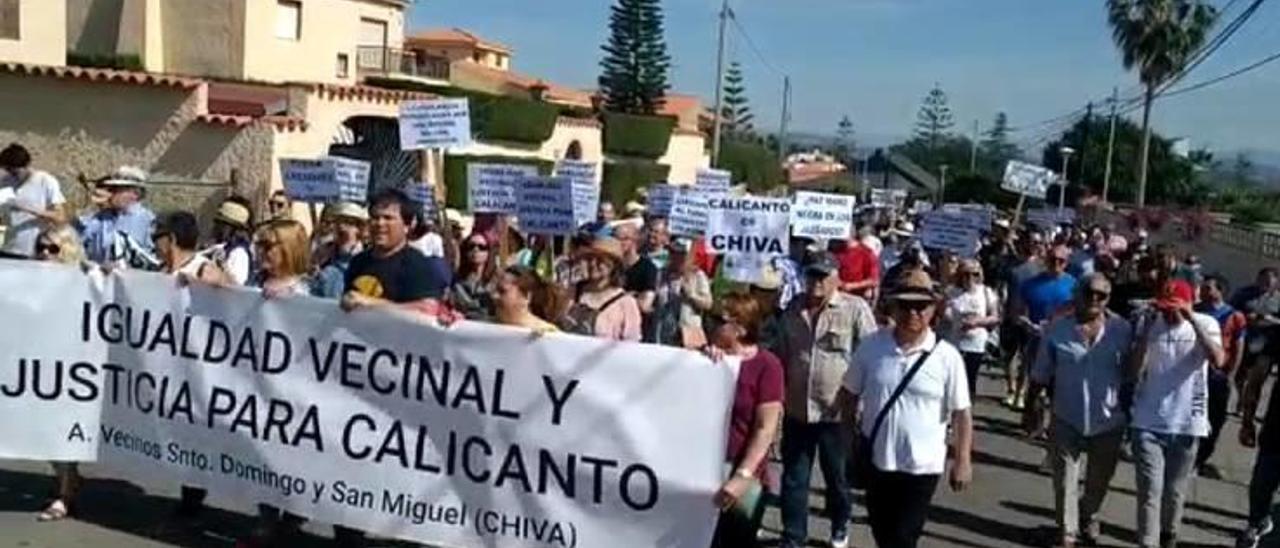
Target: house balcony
(395,62)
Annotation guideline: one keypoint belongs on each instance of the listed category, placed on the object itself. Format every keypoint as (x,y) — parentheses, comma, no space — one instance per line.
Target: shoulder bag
(862,465)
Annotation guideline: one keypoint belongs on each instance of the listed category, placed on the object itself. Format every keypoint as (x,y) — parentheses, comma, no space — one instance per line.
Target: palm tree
(1158,38)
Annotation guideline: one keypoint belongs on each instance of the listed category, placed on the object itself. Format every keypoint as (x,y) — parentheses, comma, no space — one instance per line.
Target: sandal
(56,511)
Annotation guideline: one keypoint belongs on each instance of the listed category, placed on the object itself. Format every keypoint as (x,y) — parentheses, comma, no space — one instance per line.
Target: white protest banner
(689,212)
(475,435)
(436,123)
(952,232)
(1027,179)
(586,188)
(326,179)
(661,198)
(822,216)
(716,182)
(748,232)
(1047,217)
(546,206)
(491,188)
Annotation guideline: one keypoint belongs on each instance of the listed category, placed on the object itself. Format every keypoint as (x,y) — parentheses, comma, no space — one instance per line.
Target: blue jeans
(1163,464)
(800,442)
(1263,485)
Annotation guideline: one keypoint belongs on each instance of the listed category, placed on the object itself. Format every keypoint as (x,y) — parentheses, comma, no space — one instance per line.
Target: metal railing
(380,60)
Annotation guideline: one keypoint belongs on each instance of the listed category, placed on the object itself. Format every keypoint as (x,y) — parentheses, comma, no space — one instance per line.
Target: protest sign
(661,198)
(979,216)
(491,188)
(920,207)
(586,188)
(748,233)
(475,435)
(546,206)
(688,212)
(952,232)
(888,198)
(424,195)
(1050,217)
(325,179)
(822,216)
(716,182)
(1027,179)
(436,123)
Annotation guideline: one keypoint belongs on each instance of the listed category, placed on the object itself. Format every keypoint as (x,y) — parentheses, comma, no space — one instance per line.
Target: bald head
(1092,294)
(628,236)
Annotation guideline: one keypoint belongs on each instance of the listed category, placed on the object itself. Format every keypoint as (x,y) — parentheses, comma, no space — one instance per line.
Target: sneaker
(840,539)
(1209,471)
(1251,536)
(1089,534)
(1009,400)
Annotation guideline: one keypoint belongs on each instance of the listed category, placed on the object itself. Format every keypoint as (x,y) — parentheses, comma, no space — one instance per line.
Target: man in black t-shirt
(1266,467)
(390,272)
(641,275)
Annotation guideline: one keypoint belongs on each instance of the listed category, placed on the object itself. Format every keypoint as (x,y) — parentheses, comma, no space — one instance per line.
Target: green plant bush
(105,60)
(637,136)
(752,164)
(624,177)
(455,174)
(510,119)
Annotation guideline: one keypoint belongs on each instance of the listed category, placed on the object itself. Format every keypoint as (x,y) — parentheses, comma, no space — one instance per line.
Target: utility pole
(942,191)
(719,112)
(786,107)
(1111,144)
(973,149)
(1083,145)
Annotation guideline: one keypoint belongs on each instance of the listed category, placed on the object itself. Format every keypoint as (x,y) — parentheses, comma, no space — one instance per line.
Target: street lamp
(1062,188)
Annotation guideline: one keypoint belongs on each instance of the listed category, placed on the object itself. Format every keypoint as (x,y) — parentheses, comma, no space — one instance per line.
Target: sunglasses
(914,306)
(478,247)
(48,248)
(1099,295)
(278,205)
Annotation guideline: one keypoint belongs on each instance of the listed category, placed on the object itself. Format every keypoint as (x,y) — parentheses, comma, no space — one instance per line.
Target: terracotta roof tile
(454,36)
(364,93)
(280,123)
(102,75)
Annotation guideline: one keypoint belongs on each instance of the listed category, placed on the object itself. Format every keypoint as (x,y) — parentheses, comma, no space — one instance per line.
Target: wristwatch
(744,473)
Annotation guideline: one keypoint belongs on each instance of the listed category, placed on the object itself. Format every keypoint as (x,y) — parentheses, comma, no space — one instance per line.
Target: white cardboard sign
(586,188)
(1027,179)
(748,232)
(435,124)
(950,232)
(546,206)
(661,198)
(327,179)
(491,188)
(823,216)
(714,181)
(689,212)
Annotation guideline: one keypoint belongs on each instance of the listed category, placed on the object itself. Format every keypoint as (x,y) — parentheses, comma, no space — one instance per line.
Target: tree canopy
(633,75)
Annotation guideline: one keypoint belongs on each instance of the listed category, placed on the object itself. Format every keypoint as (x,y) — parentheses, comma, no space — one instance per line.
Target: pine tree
(736,112)
(934,121)
(844,139)
(633,75)
(995,146)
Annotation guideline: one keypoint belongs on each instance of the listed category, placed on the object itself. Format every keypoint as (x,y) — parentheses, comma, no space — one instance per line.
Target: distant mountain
(864,141)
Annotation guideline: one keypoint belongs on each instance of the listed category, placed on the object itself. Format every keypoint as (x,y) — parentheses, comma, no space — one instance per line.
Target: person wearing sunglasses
(1082,359)
(279,206)
(60,244)
(972,310)
(819,333)
(470,293)
(912,390)
(753,423)
(348,222)
(1041,299)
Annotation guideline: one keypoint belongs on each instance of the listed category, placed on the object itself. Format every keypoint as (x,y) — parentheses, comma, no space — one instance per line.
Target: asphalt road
(1009,505)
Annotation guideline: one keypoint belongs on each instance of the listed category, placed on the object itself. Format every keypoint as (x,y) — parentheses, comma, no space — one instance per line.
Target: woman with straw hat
(232,225)
(603,309)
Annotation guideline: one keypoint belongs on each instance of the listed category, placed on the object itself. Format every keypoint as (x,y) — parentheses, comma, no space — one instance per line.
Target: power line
(751,44)
(1212,81)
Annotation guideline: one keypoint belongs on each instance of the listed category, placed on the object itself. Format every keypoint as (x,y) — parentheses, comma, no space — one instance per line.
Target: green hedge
(637,136)
(753,164)
(104,60)
(622,179)
(455,174)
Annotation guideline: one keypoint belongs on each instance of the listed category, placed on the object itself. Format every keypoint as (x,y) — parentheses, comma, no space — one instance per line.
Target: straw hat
(608,248)
(347,210)
(913,285)
(770,278)
(125,177)
(234,214)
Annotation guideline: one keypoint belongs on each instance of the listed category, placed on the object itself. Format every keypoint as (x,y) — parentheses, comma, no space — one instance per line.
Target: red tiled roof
(454,36)
(101,75)
(247,99)
(280,123)
(555,93)
(366,93)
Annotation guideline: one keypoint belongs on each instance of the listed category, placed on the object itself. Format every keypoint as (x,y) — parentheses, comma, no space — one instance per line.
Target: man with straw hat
(119,232)
(348,220)
(912,389)
(232,229)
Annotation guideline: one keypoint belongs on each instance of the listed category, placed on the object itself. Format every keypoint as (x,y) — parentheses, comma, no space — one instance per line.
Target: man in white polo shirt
(1171,361)
(908,433)
(36,202)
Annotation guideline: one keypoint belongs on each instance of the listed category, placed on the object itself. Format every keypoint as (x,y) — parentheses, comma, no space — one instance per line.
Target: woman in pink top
(603,309)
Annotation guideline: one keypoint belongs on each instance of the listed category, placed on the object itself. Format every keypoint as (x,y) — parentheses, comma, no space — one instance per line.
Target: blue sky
(875,59)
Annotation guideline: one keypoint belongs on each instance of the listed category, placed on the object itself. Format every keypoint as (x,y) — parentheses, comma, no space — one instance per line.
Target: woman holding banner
(521,298)
(469,294)
(60,244)
(753,425)
(603,309)
(285,256)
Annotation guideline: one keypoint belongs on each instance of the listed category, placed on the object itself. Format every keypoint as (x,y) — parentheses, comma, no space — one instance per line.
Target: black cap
(822,262)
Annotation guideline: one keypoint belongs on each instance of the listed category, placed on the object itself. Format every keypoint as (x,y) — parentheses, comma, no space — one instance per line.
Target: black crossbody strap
(897,392)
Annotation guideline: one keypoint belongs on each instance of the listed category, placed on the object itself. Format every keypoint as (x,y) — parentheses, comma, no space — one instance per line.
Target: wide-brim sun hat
(607,248)
(125,177)
(347,210)
(234,214)
(913,285)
